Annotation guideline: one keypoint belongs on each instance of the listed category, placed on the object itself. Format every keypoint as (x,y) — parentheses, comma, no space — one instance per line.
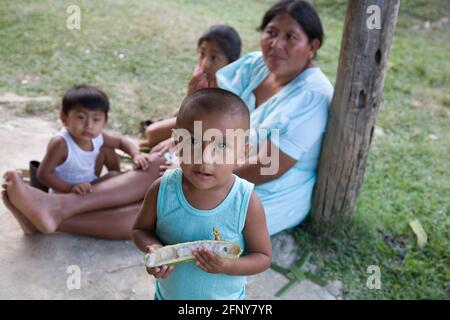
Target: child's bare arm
(140,161)
(56,155)
(120,142)
(258,245)
(159,131)
(143,233)
(257,240)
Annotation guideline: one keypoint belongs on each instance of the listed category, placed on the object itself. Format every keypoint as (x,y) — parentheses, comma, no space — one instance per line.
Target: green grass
(408,172)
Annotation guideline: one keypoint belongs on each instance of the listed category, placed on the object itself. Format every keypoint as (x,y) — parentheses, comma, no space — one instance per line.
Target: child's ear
(248,150)
(176,141)
(315,46)
(63,117)
(173,136)
(243,157)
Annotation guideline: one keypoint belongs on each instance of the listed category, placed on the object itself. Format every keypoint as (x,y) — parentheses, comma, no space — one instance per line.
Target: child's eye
(221,145)
(80,117)
(194,141)
(291,37)
(271,33)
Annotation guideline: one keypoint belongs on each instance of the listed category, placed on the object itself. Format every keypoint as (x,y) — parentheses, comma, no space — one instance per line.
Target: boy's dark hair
(302,12)
(85,96)
(211,100)
(226,38)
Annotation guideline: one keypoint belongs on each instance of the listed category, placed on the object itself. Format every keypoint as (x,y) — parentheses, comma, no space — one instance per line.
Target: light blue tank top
(178,221)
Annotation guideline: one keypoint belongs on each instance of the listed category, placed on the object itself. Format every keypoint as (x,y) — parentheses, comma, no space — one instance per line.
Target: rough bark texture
(356,100)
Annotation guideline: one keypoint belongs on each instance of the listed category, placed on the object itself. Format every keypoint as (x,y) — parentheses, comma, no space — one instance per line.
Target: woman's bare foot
(24,223)
(38,207)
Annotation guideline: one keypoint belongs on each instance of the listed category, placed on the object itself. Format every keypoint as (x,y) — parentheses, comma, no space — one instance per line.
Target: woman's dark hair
(226,38)
(302,12)
(85,96)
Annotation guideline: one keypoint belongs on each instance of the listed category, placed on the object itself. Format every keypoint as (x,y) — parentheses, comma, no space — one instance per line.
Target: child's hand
(211,262)
(141,161)
(82,188)
(199,80)
(158,272)
(164,146)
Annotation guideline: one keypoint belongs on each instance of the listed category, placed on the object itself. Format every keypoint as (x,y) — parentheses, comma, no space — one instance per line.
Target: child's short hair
(211,100)
(226,38)
(89,97)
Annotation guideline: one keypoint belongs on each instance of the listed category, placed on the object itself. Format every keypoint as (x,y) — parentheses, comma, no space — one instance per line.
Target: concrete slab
(41,267)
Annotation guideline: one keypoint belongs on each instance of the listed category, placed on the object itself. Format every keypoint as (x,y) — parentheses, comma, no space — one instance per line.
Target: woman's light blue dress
(300,112)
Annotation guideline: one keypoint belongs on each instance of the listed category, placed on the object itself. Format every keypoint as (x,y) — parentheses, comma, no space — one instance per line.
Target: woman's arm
(56,155)
(269,164)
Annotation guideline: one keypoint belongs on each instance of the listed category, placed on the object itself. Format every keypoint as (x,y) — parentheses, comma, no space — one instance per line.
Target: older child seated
(219,46)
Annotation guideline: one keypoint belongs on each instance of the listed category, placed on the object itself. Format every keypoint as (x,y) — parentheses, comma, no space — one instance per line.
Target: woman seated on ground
(283,89)
(286,91)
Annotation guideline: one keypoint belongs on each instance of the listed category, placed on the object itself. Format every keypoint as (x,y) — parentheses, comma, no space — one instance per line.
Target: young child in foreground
(188,202)
(72,159)
(217,47)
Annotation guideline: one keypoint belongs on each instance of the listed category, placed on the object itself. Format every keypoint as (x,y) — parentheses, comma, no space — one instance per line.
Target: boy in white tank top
(70,162)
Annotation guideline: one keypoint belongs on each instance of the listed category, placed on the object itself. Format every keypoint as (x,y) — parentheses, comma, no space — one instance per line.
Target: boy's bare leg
(47,211)
(27,227)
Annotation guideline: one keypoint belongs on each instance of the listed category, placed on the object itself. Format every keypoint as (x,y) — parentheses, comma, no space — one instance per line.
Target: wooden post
(368,31)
